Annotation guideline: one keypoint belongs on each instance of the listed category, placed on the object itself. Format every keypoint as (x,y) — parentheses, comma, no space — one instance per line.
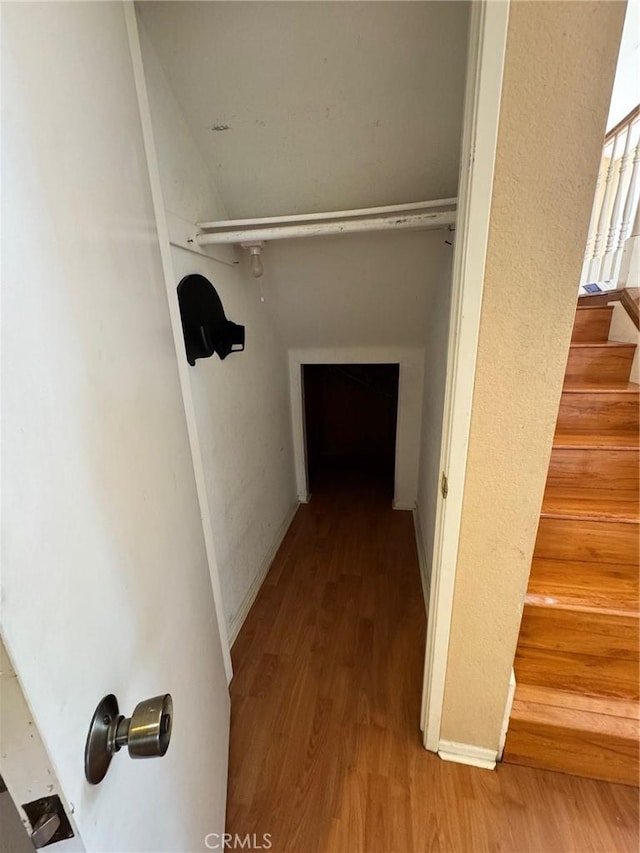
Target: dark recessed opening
(350,421)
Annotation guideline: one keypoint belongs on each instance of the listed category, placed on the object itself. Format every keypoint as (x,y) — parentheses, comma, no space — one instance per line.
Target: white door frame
(27,769)
(485,63)
(410,385)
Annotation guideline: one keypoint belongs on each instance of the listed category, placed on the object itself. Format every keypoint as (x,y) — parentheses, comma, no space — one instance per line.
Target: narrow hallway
(326,751)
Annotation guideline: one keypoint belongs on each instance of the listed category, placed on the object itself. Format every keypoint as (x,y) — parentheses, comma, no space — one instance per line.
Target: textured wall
(558,76)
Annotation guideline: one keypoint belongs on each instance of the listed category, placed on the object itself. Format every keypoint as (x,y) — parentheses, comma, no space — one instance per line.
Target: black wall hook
(204,325)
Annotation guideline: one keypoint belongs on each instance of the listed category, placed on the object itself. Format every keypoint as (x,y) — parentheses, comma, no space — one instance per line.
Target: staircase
(576,702)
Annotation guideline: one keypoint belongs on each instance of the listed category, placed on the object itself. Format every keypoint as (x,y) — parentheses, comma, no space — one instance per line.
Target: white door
(105,584)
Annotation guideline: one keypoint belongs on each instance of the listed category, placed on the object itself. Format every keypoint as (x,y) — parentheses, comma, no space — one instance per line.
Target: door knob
(146,734)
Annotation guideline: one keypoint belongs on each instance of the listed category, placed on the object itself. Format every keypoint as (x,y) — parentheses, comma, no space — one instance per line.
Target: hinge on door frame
(444,485)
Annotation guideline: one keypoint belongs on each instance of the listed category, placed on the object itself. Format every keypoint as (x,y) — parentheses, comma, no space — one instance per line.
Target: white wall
(242,409)
(241,404)
(355,290)
(361,297)
(105,583)
(362,130)
(187,187)
(435,369)
(626,85)
(301,107)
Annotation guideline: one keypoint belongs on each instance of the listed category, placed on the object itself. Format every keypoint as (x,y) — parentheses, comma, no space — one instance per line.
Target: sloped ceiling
(309,106)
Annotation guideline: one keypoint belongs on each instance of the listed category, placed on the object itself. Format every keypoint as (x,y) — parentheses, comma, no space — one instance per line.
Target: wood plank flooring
(326,752)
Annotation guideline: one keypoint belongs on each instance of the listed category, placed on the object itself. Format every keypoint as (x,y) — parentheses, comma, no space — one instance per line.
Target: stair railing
(616,201)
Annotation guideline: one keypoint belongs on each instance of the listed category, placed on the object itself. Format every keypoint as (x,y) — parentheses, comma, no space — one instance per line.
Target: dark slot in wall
(350,419)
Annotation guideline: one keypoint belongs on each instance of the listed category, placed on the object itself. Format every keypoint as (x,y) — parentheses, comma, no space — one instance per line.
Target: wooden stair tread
(581,387)
(532,694)
(593,300)
(582,308)
(610,725)
(602,345)
(594,504)
(611,440)
(592,461)
(602,408)
(614,673)
(591,540)
(589,586)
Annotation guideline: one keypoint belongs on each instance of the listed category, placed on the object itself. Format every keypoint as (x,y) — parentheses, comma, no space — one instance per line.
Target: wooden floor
(326,751)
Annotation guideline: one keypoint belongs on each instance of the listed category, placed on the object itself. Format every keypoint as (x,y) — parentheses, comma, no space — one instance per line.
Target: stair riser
(591,468)
(580,632)
(594,755)
(578,673)
(592,325)
(603,541)
(598,412)
(599,365)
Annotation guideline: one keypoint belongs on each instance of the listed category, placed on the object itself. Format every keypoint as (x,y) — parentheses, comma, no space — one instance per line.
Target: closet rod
(335,214)
(439,219)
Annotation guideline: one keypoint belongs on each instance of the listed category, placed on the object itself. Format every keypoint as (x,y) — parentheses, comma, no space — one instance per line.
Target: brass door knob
(146,734)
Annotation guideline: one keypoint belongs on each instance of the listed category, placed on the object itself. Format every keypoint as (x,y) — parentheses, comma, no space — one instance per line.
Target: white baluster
(594,265)
(606,267)
(630,263)
(629,212)
(592,225)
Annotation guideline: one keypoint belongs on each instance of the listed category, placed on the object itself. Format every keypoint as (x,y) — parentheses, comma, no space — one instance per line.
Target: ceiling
(301,107)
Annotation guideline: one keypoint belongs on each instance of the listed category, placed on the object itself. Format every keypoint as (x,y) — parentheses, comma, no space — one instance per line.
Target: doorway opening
(351,415)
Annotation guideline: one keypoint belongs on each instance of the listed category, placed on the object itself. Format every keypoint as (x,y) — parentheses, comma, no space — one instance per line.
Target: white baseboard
(409,507)
(304,497)
(507,714)
(467,753)
(425,574)
(241,613)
